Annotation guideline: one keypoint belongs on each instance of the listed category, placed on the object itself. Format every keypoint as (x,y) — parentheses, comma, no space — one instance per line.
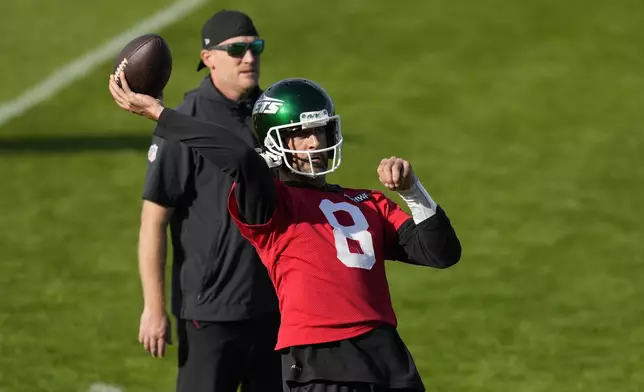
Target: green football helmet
(294,104)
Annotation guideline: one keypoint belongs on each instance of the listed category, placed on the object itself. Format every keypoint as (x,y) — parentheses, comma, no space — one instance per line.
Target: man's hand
(154,331)
(396,174)
(143,105)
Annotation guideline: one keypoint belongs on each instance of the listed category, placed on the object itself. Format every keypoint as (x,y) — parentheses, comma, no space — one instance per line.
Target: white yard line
(71,72)
(98,387)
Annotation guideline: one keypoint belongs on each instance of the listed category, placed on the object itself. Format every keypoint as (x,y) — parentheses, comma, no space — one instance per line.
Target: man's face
(239,73)
(308,140)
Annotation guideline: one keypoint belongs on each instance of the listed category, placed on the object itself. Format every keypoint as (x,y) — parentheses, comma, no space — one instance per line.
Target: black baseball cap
(223,25)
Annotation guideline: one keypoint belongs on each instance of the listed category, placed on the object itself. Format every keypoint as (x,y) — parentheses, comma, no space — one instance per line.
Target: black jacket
(216,273)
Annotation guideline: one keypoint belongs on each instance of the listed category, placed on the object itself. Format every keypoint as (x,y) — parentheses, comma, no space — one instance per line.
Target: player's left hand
(396,174)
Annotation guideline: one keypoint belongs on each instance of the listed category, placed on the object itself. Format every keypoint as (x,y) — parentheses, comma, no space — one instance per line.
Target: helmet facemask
(276,136)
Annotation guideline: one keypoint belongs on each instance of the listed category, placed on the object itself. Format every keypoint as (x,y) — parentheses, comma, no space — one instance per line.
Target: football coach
(222,299)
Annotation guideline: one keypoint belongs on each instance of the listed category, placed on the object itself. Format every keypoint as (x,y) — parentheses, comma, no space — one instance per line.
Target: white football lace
(120,68)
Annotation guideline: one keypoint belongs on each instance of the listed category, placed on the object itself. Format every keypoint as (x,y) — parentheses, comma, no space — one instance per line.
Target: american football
(147,62)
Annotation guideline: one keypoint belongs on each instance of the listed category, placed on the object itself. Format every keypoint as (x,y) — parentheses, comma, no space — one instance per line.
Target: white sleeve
(420,203)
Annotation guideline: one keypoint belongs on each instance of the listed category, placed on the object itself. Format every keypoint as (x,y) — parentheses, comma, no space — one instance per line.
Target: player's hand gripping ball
(141,104)
(396,174)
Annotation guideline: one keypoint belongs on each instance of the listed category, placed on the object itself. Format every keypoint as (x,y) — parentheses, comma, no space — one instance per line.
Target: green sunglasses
(238,49)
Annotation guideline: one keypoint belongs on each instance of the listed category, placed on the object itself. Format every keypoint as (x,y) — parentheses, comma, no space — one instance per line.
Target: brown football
(147,63)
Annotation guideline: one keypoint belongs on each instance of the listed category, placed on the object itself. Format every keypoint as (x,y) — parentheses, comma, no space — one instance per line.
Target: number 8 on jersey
(364,257)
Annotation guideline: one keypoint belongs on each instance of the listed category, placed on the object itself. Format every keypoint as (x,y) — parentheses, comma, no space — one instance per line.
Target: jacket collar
(210,91)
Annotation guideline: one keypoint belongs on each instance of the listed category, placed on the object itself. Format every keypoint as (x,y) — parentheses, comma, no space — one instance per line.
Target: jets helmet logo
(267,106)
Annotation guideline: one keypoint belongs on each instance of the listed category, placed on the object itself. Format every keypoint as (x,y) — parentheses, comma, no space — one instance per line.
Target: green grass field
(524,120)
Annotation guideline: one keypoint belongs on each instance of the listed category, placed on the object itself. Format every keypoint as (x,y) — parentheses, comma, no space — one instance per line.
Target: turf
(522,118)
(40,36)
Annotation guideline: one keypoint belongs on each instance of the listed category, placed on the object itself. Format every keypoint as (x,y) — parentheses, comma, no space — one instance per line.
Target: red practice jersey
(325,254)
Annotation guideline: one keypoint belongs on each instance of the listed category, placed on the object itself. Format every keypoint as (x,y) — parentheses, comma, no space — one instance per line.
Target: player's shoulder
(334,192)
(369,198)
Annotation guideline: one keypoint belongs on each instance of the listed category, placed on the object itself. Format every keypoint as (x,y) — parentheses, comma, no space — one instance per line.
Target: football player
(324,245)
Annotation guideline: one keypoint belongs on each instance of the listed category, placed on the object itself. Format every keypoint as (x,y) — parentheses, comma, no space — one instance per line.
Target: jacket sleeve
(255,190)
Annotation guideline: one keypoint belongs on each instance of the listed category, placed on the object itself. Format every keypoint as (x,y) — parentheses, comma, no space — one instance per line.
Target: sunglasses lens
(237,49)
(257,47)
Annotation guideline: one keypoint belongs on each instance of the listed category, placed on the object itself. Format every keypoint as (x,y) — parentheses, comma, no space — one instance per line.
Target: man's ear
(207,58)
